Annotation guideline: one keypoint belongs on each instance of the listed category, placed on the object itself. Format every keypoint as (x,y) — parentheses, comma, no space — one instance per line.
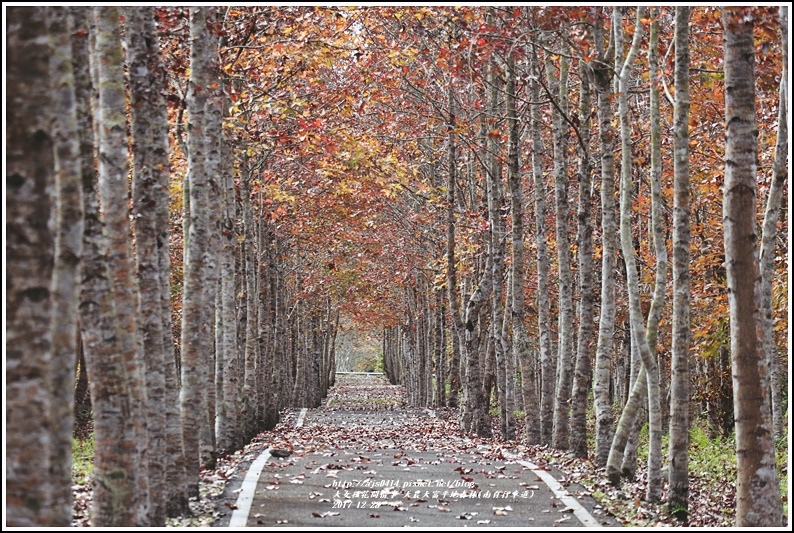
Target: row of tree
(90,262)
(414,169)
(490,135)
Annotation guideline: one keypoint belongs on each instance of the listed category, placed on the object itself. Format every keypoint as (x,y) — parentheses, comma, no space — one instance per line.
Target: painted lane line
(247,490)
(559,491)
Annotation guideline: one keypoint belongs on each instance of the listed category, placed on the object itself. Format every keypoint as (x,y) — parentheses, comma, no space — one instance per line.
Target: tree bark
(195,316)
(29,251)
(150,173)
(606,325)
(562,399)
(495,208)
(678,456)
(638,333)
(584,244)
(66,272)
(452,278)
(547,370)
(520,344)
(769,231)
(114,197)
(758,500)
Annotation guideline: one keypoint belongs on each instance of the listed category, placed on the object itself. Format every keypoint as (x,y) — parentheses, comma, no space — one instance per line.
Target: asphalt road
(383,485)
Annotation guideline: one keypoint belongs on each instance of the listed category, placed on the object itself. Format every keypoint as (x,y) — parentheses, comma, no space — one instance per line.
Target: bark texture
(758,500)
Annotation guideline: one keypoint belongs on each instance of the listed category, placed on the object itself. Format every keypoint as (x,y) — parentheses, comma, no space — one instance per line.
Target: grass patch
(82,459)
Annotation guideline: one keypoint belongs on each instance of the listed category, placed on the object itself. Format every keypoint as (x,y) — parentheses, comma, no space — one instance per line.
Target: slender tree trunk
(562,398)
(213,135)
(495,207)
(638,333)
(547,370)
(678,493)
(758,500)
(769,232)
(195,316)
(520,344)
(66,273)
(228,428)
(29,251)
(452,278)
(250,391)
(606,325)
(584,244)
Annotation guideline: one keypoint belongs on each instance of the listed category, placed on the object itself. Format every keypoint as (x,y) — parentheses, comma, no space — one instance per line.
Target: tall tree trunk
(678,493)
(452,277)
(584,244)
(228,428)
(544,322)
(638,333)
(769,232)
(758,500)
(562,399)
(606,325)
(250,391)
(495,207)
(114,197)
(66,273)
(150,172)
(195,316)
(29,250)
(213,136)
(520,344)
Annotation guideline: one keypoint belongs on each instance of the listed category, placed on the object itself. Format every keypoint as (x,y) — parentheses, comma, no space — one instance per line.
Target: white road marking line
(248,488)
(559,491)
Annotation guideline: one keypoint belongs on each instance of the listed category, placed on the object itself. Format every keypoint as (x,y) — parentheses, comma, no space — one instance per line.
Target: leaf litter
(709,507)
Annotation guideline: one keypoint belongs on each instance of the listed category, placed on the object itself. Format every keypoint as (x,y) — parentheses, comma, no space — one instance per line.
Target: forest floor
(365,434)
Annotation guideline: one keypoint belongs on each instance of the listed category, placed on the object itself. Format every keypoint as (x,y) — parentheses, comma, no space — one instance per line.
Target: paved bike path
(383,485)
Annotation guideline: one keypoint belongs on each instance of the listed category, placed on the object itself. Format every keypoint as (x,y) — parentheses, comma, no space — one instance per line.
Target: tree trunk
(250,391)
(195,316)
(452,278)
(547,370)
(66,273)
(114,197)
(29,250)
(769,232)
(213,135)
(638,333)
(606,326)
(678,493)
(584,244)
(150,172)
(228,429)
(758,500)
(495,208)
(520,344)
(562,399)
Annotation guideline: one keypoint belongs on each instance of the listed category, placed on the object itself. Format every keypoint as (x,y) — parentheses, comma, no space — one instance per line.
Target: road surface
(395,467)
